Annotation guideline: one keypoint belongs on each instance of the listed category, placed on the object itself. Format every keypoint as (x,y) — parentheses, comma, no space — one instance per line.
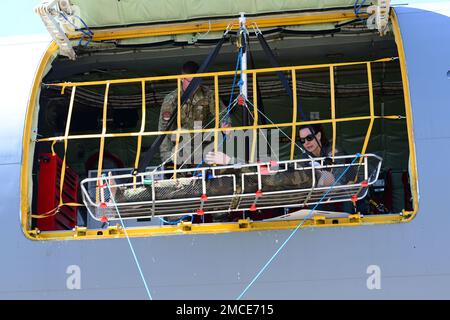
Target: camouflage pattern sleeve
(224,121)
(167,108)
(222,109)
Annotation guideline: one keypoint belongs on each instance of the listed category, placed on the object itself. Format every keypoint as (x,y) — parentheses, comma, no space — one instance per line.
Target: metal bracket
(50,13)
(80,231)
(379,16)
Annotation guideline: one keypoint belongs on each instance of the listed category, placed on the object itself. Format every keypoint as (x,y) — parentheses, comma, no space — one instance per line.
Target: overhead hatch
(69,21)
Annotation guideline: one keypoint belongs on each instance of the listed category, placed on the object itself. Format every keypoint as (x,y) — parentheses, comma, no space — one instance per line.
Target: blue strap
(296,229)
(177,221)
(239,58)
(357,7)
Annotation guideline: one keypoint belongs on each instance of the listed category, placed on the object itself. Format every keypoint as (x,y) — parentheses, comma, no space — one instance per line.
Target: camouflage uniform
(300,179)
(200,107)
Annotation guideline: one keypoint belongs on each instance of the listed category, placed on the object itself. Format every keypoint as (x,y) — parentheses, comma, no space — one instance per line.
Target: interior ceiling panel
(166,60)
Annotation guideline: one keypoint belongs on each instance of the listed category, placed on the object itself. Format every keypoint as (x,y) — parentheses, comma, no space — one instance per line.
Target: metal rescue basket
(211,190)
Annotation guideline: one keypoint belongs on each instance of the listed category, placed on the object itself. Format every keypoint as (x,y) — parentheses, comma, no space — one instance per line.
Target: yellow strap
(372,119)
(54,211)
(333,110)
(53,148)
(47,214)
(66,135)
(216,97)
(372,115)
(102,139)
(177,142)
(139,142)
(212,74)
(294,113)
(261,126)
(255,120)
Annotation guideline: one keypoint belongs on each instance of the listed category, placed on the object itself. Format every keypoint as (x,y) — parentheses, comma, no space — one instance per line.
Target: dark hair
(190,67)
(316,128)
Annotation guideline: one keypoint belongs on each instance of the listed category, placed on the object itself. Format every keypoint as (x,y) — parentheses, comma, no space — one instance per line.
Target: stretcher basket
(222,189)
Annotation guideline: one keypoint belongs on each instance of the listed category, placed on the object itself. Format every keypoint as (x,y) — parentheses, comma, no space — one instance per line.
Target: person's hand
(217,158)
(226,125)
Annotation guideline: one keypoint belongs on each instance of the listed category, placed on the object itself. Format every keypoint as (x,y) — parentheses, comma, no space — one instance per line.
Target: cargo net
(223,189)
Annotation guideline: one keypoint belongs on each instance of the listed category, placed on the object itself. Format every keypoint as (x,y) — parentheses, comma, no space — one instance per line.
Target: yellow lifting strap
(139,142)
(102,138)
(66,135)
(54,211)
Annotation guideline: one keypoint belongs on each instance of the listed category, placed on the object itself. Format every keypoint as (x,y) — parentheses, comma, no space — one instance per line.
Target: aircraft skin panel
(317,263)
(18,64)
(433,66)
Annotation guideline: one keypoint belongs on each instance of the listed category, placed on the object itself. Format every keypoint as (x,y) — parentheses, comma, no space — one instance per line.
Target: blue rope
(229,104)
(177,221)
(295,230)
(129,243)
(86,44)
(357,7)
(238,61)
(88,34)
(86,26)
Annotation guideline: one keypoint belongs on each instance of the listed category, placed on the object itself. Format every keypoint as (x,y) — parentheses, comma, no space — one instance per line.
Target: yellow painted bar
(409,119)
(139,142)
(205,228)
(25,172)
(212,74)
(372,112)
(294,113)
(261,126)
(218,25)
(177,141)
(216,98)
(53,147)
(333,109)
(372,118)
(102,138)
(66,134)
(255,120)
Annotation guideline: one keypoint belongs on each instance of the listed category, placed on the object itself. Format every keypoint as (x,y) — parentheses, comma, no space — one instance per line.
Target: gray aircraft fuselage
(412,259)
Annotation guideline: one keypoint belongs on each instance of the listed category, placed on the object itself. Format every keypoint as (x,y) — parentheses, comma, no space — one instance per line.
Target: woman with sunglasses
(316,144)
(314,141)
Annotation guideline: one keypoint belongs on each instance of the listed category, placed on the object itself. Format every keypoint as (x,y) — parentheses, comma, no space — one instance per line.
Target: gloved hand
(316,164)
(326,178)
(217,158)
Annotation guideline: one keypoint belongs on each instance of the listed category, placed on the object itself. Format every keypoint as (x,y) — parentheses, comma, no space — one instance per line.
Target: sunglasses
(309,137)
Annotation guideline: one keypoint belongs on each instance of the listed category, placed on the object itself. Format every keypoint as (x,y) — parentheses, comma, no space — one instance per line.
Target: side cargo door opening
(103,109)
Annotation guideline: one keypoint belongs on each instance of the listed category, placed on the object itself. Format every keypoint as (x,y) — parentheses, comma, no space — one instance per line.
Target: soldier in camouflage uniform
(199,108)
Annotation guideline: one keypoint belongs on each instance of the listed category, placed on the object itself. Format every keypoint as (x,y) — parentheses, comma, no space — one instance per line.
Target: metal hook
(256,28)
(199,35)
(229,28)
